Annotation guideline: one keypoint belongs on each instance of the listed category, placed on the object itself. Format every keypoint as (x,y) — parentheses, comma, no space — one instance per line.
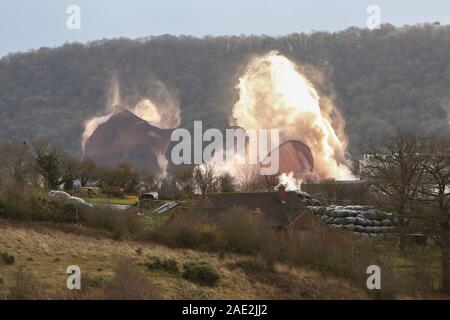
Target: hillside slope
(382,80)
(47,252)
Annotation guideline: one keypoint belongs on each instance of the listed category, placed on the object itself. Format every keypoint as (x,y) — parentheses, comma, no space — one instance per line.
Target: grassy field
(46,253)
(154,220)
(119,201)
(326,266)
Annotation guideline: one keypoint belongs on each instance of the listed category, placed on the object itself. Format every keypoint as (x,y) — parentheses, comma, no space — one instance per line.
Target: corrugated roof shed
(277,213)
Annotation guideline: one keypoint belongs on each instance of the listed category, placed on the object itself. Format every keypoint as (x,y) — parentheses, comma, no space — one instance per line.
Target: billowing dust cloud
(164,115)
(274,94)
(91,124)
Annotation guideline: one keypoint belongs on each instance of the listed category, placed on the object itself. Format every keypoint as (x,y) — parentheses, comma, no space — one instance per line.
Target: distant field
(127,202)
(152,219)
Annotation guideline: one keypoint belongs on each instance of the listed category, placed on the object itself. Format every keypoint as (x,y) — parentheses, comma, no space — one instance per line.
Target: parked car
(56,194)
(148,199)
(68,199)
(79,202)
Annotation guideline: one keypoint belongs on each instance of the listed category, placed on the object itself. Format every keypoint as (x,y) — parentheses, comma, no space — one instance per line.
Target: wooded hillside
(382,81)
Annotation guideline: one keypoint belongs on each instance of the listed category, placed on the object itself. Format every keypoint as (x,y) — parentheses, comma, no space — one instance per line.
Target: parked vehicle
(79,202)
(147,200)
(66,198)
(56,194)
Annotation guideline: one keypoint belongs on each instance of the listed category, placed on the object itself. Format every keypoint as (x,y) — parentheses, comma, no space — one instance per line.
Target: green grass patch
(119,201)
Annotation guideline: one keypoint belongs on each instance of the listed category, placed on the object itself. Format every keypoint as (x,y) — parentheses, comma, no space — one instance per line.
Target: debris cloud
(164,115)
(273,93)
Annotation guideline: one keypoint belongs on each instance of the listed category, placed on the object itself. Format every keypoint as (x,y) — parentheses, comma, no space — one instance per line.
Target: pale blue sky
(27,24)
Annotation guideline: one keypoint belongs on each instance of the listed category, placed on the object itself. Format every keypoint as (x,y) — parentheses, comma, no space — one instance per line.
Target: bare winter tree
(148,182)
(205,178)
(396,171)
(70,171)
(436,190)
(413,173)
(87,171)
(185,180)
(249,178)
(16,162)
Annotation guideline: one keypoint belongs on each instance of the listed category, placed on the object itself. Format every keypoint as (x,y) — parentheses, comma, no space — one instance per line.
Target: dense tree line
(42,164)
(382,81)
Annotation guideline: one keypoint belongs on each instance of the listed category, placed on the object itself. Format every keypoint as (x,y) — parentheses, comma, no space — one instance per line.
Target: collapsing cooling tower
(126,138)
(295,157)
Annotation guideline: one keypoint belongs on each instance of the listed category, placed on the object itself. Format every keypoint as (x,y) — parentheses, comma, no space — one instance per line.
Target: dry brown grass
(129,283)
(47,253)
(21,284)
(339,254)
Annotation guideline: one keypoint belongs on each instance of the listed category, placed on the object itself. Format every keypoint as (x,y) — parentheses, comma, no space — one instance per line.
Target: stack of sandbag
(307,199)
(363,220)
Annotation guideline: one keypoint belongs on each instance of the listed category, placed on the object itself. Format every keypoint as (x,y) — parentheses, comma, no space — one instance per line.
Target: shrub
(27,203)
(25,286)
(168,265)
(210,237)
(32,204)
(252,266)
(130,284)
(14,202)
(185,236)
(243,232)
(201,273)
(122,224)
(333,252)
(237,231)
(92,287)
(339,253)
(6,259)
(200,234)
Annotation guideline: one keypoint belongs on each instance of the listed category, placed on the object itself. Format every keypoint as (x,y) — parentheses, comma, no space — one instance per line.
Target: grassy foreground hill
(43,252)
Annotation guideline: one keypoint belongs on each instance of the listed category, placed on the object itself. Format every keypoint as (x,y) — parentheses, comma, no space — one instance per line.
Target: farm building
(283,211)
(293,213)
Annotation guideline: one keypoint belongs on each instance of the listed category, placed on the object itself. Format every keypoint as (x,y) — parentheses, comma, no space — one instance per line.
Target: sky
(31,24)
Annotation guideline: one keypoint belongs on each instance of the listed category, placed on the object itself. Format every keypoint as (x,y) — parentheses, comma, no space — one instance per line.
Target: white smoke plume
(91,124)
(163,164)
(273,94)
